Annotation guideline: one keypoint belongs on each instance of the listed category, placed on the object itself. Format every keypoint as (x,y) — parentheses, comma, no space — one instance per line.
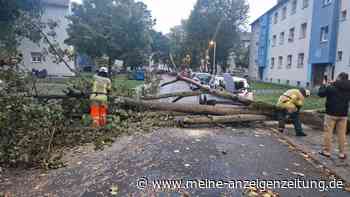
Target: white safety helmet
(103,70)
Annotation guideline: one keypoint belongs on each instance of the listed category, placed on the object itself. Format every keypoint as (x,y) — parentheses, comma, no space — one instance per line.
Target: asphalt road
(190,154)
(177,87)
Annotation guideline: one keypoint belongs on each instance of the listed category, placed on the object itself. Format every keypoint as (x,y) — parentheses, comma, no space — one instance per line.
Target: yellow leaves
(114,190)
(255,192)
(347,188)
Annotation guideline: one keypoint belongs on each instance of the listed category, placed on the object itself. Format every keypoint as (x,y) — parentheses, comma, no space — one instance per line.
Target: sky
(169,13)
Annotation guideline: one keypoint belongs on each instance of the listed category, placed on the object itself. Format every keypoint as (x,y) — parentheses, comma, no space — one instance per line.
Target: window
(294,6)
(298,83)
(280,62)
(326,2)
(281,38)
(272,63)
(284,13)
(305,4)
(36,57)
(274,40)
(324,34)
(344,14)
(301,57)
(303,30)
(289,61)
(291,35)
(340,56)
(276,18)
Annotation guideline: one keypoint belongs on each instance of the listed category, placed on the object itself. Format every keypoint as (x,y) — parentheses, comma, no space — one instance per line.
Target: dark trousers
(283,116)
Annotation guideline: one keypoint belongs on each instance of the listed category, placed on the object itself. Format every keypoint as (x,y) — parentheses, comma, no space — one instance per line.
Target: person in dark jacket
(337,105)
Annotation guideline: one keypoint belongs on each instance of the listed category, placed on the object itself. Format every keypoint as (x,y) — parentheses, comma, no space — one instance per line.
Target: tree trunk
(222,119)
(183,108)
(176,94)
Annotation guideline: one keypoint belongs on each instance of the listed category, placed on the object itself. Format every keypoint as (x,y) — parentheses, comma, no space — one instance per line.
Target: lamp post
(213,44)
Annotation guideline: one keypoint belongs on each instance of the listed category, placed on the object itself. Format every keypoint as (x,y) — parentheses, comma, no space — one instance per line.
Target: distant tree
(119,29)
(178,49)
(15,19)
(160,47)
(217,20)
(242,57)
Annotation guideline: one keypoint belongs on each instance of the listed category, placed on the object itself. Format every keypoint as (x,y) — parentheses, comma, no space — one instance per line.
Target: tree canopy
(15,15)
(212,20)
(119,29)
(160,47)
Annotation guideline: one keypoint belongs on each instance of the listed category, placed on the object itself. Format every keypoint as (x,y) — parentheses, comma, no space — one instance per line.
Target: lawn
(312,103)
(123,81)
(268,86)
(124,86)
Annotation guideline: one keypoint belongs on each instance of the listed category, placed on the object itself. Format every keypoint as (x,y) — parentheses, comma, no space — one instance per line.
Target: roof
(279,3)
(62,3)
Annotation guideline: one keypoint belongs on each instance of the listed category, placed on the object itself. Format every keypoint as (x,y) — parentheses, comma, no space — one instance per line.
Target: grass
(311,103)
(123,81)
(269,86)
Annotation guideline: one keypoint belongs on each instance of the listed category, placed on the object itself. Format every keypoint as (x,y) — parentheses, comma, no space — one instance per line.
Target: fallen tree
(183,108)
(219,93)
(176,94)
(222,119)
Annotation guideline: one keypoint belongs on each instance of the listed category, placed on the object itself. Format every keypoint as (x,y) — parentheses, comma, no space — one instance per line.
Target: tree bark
(183,108)
(222,119)
(176,94)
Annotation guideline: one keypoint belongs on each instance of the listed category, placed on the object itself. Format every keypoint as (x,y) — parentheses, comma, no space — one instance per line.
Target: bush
(26,128)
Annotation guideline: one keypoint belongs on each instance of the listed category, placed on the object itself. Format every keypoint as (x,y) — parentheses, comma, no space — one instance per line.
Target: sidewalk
(312,145)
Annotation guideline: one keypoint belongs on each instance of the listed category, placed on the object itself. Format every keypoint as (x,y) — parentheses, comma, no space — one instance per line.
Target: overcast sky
(170,12)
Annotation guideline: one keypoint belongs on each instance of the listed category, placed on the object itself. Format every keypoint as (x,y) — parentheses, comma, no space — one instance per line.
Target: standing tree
(177,38)
(160,48)
(119,29)
(217,20)
(15,15)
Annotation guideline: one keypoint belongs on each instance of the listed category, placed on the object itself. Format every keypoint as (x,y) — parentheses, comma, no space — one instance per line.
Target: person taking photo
(337,94)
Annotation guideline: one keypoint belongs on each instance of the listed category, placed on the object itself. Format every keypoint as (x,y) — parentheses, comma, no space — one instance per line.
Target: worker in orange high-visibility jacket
(99,97)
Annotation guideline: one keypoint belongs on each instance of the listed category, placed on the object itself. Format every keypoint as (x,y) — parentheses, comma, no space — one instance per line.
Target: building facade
(35,56)
(343,48)
(301,41)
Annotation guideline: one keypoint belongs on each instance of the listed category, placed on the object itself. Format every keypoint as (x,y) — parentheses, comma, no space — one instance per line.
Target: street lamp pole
(213,43)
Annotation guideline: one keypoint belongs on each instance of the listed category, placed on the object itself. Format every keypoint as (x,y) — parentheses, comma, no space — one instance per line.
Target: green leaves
(119,29)
(14,17)
(218,20)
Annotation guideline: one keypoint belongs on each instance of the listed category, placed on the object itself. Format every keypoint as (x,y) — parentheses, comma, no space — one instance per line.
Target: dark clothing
(283,116)
(338,97)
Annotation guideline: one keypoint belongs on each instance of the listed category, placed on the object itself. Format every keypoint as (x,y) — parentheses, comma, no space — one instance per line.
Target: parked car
(202,78)
(242,88)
